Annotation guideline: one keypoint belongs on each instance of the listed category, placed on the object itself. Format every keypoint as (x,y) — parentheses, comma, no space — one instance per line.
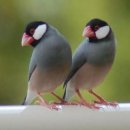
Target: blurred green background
(70,17)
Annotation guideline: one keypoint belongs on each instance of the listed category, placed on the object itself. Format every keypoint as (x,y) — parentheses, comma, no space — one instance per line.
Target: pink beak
(88,32)
(26,40)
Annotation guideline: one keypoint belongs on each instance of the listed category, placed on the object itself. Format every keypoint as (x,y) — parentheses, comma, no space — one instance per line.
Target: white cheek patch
(39,31)
(102,32)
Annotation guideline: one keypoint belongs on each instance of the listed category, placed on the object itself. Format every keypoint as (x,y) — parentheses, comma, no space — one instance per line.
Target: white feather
(102,32)
(39,31)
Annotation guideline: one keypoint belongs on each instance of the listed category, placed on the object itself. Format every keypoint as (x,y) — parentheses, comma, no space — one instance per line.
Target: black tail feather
(64,94)
(23,103)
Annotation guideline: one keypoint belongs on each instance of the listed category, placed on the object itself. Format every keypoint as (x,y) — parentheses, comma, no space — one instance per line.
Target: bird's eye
(96,27)
(31,31)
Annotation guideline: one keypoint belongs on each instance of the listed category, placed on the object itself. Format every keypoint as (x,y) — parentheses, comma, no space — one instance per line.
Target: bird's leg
(44,103)
(59,98)
(84,102)
(62,101)
(101,100)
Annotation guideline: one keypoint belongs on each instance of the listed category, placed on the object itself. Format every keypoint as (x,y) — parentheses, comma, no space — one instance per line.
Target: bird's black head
(96,30)
(34,32)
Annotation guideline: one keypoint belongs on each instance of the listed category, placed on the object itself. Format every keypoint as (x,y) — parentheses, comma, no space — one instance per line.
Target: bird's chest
(48,79)
(50,56)
(89,76)
(100,54)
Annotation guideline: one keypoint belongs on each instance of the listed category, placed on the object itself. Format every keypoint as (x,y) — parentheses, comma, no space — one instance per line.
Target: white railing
(68,118)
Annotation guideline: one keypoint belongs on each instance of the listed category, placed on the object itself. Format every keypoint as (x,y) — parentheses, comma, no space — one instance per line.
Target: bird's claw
(70,103)
(113,104)
(94,106)
(88,105)
(50,106)
(65,103)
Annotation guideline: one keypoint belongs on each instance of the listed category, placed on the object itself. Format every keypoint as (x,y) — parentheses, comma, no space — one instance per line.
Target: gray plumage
(90,64)
(50,63)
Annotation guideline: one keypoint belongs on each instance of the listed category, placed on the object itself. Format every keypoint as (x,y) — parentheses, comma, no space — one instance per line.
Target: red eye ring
(96,27)
(31,31)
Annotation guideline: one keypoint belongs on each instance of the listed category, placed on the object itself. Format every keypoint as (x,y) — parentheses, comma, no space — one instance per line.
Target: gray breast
(89,76)
(53,51)
(100,53)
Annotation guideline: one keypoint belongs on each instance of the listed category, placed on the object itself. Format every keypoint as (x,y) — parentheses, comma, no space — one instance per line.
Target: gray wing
(32,65)
(78,60)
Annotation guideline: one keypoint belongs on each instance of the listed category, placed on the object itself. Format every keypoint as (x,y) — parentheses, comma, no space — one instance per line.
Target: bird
(91,62)
(50,61)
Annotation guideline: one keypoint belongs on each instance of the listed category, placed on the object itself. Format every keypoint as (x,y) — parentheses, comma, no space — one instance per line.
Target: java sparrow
(91,62)
(50,62)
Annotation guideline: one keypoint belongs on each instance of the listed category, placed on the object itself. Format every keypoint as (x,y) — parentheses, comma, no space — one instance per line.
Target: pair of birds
(52,62)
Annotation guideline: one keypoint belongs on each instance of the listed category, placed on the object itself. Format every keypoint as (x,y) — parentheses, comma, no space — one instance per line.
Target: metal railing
(37,117)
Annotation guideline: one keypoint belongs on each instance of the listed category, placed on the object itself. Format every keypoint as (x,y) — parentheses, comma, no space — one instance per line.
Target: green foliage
(70,17)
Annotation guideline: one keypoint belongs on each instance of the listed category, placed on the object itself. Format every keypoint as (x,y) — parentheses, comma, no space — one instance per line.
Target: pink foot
(70,103)
(102,100)
(114,104)
(44,103)
(65,103)
(58,97)
(95,107)
(84,102)
(50,106)
(88,105)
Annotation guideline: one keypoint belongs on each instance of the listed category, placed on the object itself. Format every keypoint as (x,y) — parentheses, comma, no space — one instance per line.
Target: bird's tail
(64,94)
(23,103)
(31,95)
(68,93)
